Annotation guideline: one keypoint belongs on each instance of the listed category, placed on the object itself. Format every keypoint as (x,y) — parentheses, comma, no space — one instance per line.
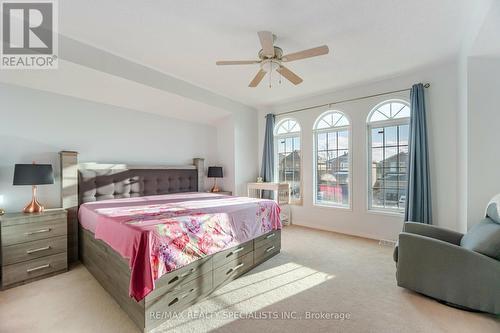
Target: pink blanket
(159,234)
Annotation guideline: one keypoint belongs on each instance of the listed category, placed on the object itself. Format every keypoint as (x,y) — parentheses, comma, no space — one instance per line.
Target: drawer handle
(34,269)
(38,250)
(175,300)
(234,269)
(37,232)
(235,251)
(270,249)
(270,235)
(189,292)
(189,272)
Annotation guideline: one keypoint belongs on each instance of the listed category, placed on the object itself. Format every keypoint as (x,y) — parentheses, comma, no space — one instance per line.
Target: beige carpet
(347,278)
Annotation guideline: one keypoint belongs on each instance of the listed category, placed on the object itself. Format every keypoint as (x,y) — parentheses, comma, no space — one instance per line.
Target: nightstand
(33,246)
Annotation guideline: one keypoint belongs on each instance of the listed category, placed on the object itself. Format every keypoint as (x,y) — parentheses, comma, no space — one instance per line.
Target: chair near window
(461,270)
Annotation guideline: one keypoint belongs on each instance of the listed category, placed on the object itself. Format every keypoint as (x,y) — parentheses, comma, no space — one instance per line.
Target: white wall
(442,105)
(36,125)
(483,148)
(245,149)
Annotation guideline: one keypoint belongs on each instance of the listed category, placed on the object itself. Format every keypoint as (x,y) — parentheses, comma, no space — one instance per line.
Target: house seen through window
(332,160)
(288,156)
(388,126)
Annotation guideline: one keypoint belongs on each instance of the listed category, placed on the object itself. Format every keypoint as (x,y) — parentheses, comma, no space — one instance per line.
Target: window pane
(389,155)
(377,155)
(377,137)
(332,173)
(331,120)
(377,116)
(342,122)
(343,139)
(403,134)
(321,137)
(288,160)
(391,136)
(385,110)
(332,140)
(404,113)
(396,108)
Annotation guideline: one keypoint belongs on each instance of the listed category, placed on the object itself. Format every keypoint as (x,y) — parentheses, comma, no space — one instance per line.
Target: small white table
(281,194)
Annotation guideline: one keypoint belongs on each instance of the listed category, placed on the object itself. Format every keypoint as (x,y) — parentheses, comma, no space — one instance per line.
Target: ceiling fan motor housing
(278,53)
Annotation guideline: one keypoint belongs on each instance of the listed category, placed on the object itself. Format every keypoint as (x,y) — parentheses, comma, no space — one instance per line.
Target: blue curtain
(267,169)
(418,194)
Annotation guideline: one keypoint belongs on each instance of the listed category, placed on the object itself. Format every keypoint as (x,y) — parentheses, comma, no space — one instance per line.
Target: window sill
(323,205)
(392,213)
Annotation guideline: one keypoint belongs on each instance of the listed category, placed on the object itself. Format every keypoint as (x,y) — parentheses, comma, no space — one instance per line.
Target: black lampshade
(215,172)
(33,174)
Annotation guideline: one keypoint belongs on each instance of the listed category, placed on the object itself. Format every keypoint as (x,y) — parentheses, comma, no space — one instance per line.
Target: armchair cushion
(484,238)
(493,209)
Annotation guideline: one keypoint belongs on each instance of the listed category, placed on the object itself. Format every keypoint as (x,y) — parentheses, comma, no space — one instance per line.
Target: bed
(155,243)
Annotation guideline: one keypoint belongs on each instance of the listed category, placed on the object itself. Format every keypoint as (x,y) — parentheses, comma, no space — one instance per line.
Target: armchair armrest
(431,231)
(448,272)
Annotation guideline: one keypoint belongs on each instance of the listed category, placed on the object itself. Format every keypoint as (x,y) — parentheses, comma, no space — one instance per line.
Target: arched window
(288,156)
(332,160)
(388,126)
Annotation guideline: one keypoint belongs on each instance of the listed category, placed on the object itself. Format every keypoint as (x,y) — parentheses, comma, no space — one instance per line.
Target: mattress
(159,234)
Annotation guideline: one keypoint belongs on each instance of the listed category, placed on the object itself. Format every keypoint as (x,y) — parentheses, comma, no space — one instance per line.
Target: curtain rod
(427,85)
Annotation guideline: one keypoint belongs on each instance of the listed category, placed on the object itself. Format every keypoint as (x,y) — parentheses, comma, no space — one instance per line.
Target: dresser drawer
(31,250)
(233,269)
(270,237)
(221,258)
(34,268)
(27,232)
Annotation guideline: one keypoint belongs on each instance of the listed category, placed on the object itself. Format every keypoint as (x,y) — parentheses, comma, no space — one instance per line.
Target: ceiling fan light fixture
(269,65)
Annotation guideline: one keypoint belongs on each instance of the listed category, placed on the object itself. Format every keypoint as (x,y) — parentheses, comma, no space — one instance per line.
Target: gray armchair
(441,264)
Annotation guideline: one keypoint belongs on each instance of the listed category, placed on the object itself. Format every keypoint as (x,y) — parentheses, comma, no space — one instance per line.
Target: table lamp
(33,174)
(215,172)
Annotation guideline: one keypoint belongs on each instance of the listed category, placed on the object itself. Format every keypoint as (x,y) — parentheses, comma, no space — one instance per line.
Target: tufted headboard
(85,182)
(103,184)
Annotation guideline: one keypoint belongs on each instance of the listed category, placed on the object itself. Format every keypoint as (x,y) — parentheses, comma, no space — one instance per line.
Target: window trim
(381,123)
(276,159)
(315,133)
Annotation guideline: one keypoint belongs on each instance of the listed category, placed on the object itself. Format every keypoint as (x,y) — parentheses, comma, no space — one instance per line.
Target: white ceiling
(368,39)
(86,83)
(182,40)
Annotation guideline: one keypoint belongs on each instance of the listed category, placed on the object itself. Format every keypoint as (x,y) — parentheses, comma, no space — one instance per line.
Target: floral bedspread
(159,234)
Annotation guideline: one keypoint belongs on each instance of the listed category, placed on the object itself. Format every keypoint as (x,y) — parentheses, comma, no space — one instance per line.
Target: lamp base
(215,188)
(34,206)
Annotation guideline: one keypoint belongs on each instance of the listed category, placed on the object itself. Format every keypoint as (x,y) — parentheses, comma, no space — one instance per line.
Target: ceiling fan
(272,57)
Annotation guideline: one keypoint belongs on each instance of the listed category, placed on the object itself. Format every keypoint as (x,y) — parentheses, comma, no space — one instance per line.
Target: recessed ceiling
(367,39)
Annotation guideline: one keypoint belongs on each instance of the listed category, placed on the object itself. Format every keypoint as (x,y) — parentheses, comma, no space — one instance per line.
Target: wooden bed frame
(174,291)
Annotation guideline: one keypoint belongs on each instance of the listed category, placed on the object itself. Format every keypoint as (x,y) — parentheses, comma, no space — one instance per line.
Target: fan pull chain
(280,78)
(270,78)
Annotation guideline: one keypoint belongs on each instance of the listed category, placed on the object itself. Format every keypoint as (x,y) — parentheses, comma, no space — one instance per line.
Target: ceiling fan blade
(267,42)
(237,62)
(314,52)
(289,75)
(256,80)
